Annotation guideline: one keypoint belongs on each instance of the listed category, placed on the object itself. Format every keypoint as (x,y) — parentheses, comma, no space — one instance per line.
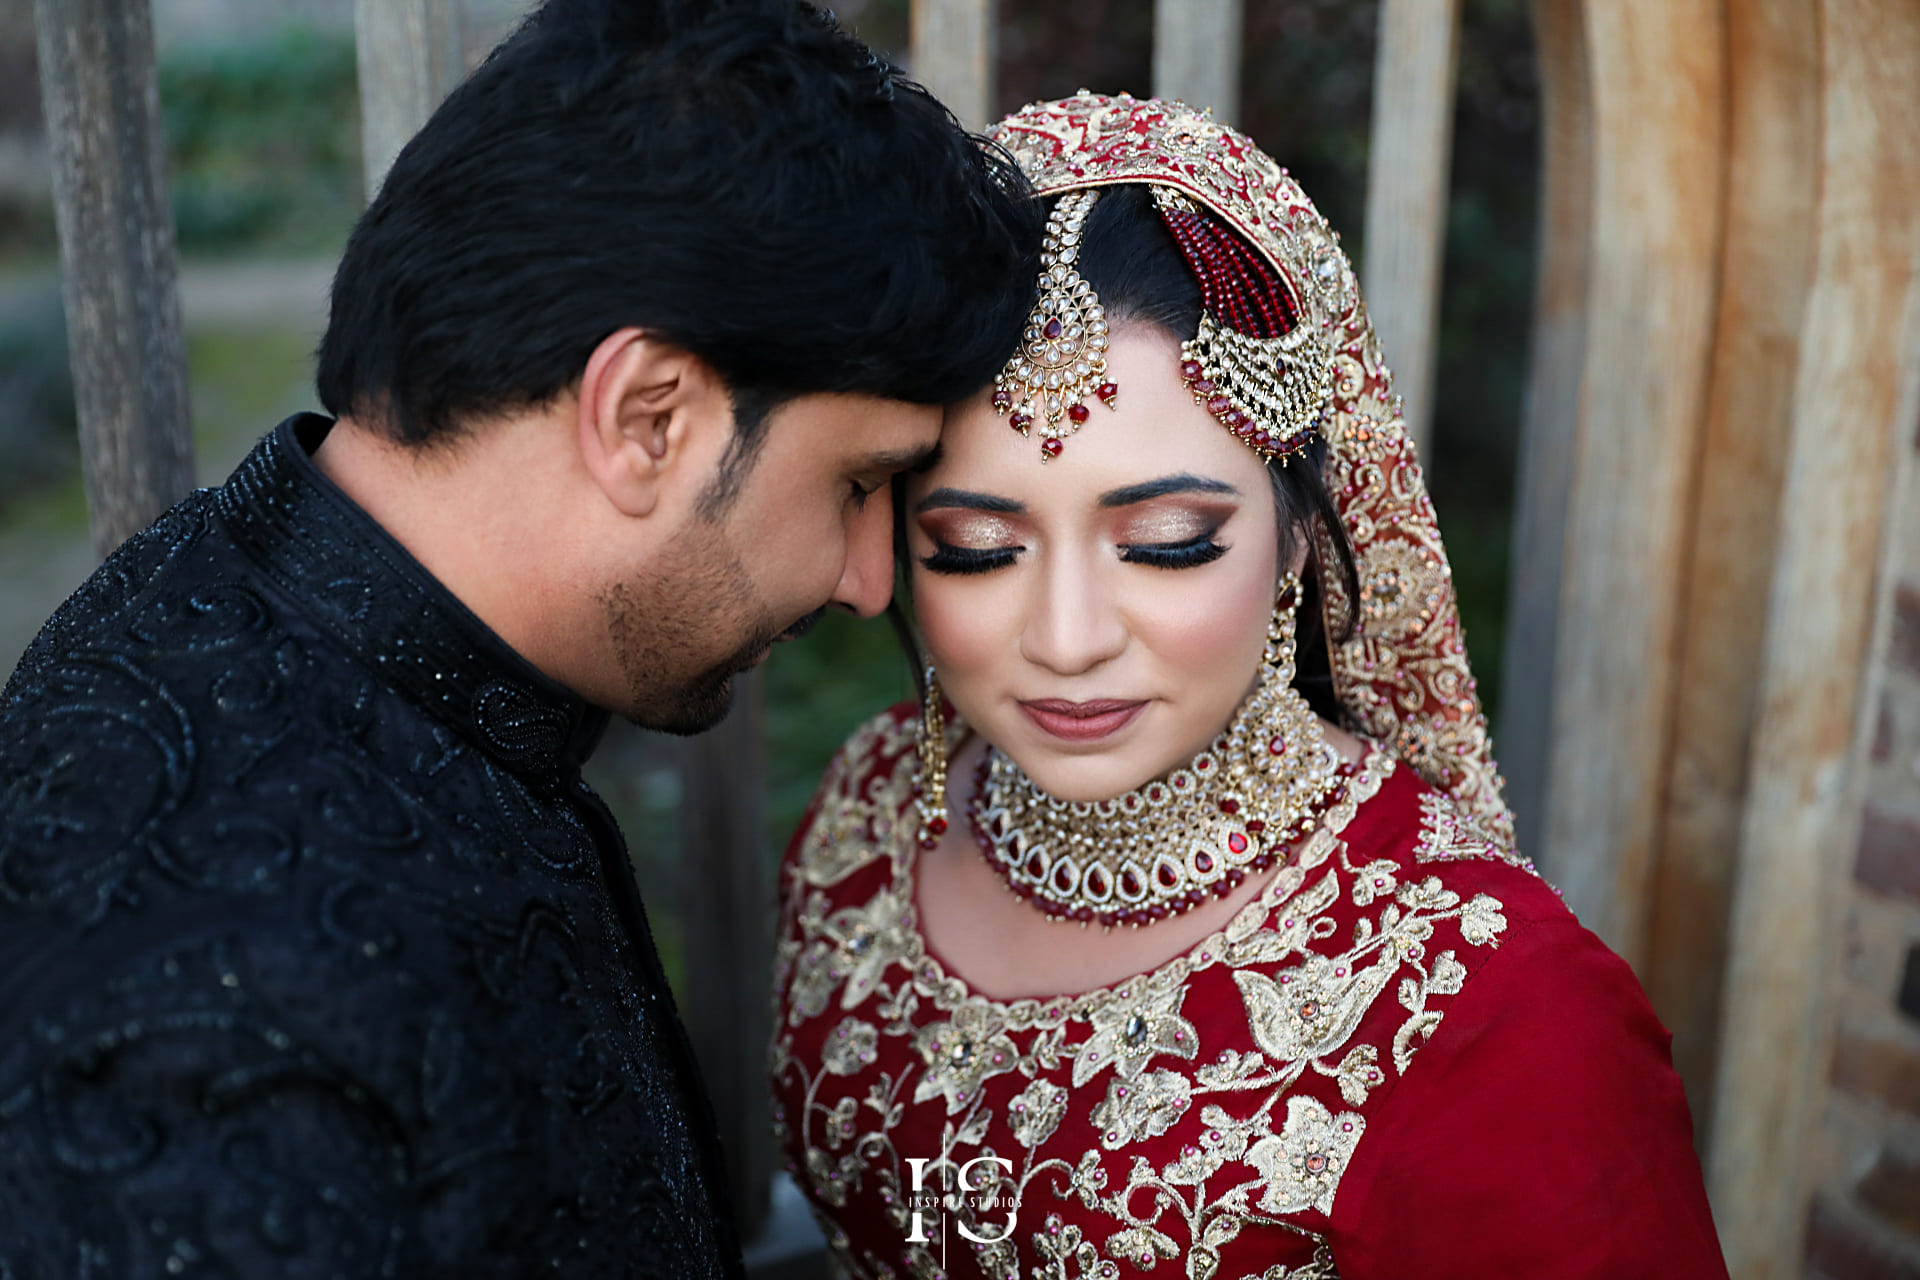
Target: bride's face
(1101,617)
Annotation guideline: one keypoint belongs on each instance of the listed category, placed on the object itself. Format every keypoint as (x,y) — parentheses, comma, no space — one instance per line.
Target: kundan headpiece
(1284,350)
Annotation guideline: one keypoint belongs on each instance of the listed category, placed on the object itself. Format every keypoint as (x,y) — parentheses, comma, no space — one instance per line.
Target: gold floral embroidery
(962,1054)
(1145,1107)
(1035,1112)
(1263,1150)
(1131,1031)
(1302,1164)
(1446,832)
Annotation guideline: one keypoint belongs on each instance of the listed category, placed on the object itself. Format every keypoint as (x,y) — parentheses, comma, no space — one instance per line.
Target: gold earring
(932,801)
(1284,629)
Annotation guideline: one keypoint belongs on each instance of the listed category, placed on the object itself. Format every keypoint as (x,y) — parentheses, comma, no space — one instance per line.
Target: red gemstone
(937,825)
(1219,404)
(1002,399)
(1234,418)
(1190,369)
(1256,826)
(1166,875)
(1203,862)
(1107,391)
(1051,448)
(1096,881)
(1078,412)
(1035,865)
(1062,879)
(1130,885)
(1053,329)
(1204,387)
(1020,421)
(1276,744)
(1229,806)
(1237,842)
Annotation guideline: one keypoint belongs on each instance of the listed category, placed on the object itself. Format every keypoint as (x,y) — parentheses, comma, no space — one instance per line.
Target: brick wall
(1864,1219)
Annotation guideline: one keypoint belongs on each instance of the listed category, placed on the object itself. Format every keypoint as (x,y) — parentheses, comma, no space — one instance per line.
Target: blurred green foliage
(263,142)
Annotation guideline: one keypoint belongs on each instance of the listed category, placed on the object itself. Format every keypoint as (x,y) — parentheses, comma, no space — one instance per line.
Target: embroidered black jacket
(317,957)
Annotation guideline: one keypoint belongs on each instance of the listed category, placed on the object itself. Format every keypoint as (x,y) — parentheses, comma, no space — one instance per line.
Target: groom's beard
(664,630)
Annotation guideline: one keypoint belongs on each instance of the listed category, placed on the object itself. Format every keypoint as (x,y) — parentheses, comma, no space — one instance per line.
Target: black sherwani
(317,957)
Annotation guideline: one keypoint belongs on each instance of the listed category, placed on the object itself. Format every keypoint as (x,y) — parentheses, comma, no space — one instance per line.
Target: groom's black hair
(738,177)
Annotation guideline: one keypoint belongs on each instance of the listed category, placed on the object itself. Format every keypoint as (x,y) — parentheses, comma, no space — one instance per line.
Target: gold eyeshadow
(970,530)
(1170,523)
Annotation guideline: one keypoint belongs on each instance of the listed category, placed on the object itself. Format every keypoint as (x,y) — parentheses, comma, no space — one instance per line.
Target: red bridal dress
(1405,1059)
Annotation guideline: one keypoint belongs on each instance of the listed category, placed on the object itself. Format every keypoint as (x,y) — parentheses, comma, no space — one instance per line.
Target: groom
(317,957)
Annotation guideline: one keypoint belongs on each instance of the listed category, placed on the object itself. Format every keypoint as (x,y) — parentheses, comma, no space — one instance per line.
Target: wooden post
(726,910)
(1196,53)
(1856,394)
(953,52)
(1773,155)
(1407,166)
(1550,419)
(410,56)
(119,274)
(1652,266)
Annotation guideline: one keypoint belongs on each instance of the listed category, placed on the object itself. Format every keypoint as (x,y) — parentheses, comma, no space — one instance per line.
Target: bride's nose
(1073,621)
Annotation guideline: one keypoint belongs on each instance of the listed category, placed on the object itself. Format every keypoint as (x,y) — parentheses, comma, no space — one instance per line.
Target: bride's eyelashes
(1175,555)
(1189,554)
(961,560)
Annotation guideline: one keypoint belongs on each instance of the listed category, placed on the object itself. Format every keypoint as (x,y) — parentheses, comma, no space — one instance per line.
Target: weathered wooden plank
(1856,394)
(1550,418)
(1407,166)
(1650,300)
(953,52)
(726,916)
(119,272)
(1196,53)
(1773,80)
(410,56)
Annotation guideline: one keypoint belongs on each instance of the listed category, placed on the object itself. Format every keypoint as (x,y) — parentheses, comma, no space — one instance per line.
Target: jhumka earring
(932,801)
(1063,351)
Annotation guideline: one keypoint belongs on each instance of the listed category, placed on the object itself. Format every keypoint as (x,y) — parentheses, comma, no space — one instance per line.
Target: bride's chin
(1087,777)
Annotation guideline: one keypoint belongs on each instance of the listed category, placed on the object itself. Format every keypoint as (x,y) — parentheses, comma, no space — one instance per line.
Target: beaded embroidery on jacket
(1269,1122)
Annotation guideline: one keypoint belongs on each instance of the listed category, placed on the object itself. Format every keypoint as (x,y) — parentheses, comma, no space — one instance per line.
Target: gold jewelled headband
(1063,353)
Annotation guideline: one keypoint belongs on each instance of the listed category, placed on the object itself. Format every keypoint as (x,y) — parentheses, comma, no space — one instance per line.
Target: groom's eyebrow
(970,500)
(892,461)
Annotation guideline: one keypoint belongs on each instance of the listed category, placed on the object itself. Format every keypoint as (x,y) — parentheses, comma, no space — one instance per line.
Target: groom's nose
(866,582)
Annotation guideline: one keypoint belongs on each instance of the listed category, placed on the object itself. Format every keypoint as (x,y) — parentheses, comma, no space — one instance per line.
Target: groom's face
(809,524)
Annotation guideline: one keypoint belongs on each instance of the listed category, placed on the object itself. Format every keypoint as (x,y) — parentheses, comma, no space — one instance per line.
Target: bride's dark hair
(1140,276)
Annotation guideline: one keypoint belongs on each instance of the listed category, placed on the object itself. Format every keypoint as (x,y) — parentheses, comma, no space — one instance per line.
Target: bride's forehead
(1155,428)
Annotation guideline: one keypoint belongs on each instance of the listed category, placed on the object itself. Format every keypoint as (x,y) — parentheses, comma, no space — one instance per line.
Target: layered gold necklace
(1166,847)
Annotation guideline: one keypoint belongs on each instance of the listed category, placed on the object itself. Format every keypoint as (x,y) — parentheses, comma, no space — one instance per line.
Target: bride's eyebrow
(1182,483)
(970,500)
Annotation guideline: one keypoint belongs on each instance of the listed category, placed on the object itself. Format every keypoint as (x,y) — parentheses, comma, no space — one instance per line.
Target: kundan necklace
(1164,848)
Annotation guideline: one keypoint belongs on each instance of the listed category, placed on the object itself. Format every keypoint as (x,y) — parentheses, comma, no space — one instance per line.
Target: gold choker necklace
(1164,848)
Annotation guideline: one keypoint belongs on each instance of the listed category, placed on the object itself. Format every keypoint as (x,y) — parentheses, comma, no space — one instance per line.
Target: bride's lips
(1081,721)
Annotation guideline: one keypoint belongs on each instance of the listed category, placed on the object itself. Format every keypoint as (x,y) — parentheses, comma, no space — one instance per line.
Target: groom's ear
(652,418)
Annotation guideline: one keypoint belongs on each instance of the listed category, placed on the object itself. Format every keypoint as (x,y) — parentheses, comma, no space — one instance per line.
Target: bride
(1180,926)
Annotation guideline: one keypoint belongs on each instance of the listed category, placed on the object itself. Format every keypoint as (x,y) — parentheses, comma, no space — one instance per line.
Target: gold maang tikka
(1166,847)
(1063,351)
